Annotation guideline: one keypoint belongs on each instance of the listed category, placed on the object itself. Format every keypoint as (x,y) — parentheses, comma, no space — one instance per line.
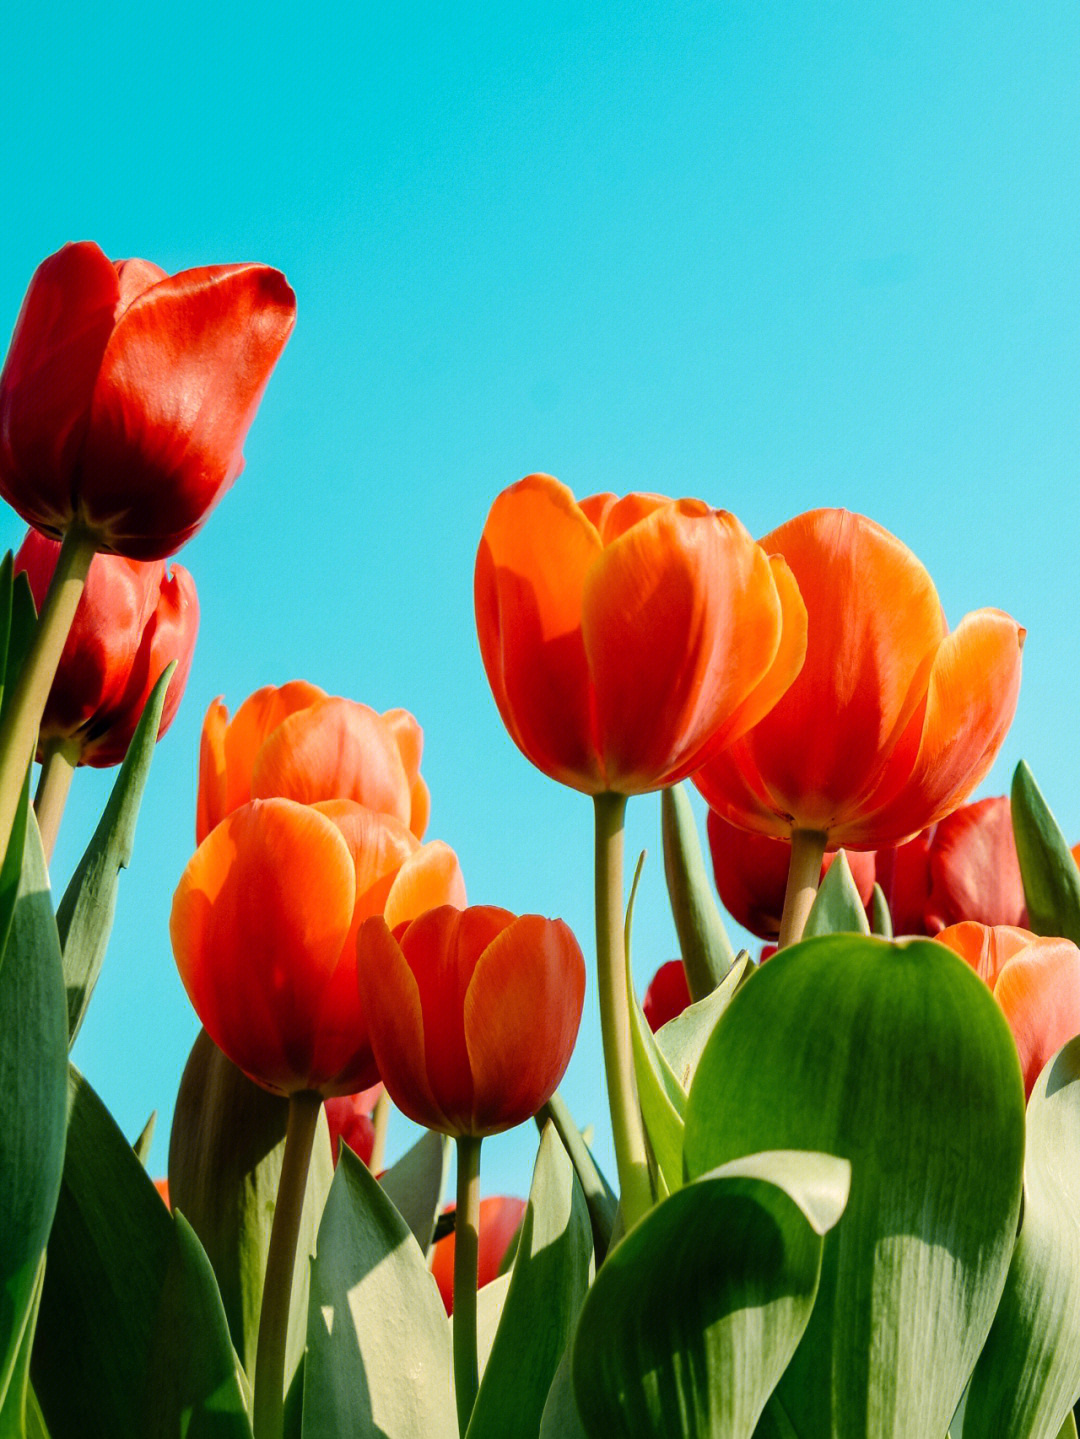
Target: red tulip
(964,868)
(348,1117)
(133,620)
(472,1014)
(127,394)
(626,640)
(264,925)
(299,743)
(500,1220)
(1035,980)
(751,874)
(668,994)
(892,720)
(162,1187)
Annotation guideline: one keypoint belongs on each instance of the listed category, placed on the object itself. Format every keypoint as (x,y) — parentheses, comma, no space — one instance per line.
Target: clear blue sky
(775,256)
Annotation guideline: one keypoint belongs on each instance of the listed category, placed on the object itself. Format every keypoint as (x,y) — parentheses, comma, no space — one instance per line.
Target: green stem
(269,1406)
(58,761)
(635,1190)
(466,1254)
(18,733)
(804,872)
(380,1119)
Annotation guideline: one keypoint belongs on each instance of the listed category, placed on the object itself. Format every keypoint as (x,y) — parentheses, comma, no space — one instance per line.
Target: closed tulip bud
(500,1220)
(472,1014)
(626,640)
(299,743)
(133,620)
(127,394)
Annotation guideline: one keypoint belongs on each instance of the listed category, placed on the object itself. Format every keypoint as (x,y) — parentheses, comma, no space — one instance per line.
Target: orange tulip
(299,743)
(626,640)
(1035,980)
(264,925)
(500,1220)
(892,720)
(473,1014)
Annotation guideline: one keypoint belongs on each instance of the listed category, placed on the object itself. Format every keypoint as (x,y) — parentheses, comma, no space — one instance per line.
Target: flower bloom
(264,925)
(751,874)
(892,720)
(965,867)
(348,1117)
(668,994)
(500,1220)
(299,743)
(625,640)
(133,620)
(127,394)
(1035,980)
(472,1014)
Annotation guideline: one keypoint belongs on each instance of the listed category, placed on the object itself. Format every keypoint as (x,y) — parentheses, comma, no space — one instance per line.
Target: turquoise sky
(775,256)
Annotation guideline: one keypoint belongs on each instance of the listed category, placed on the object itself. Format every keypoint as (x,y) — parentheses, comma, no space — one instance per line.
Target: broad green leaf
(417,1182)
(131,1339)
(225,1153)
(378,1360)
(1051,879)
(16,1404)
(1068,1429)
(774,1423)
(896,1057)
(880,918)
(1028,1375)
(548,1283)
(35,1420)
(837,909)
(707,953)
(11,868)
(694,1317)
(682,1039)
(490,1303)
(599,1195)
(85,916)
(561,1418)
(33,1088)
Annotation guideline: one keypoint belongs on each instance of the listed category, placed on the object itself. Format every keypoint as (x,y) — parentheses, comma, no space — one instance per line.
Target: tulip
(965,867)
(667,996)
(349,1119)
(500,1220)
(162,1187)
(626,640)
(1035,980)
(299,743)
(751,874)
(892,720)
(127,394)
(264,926)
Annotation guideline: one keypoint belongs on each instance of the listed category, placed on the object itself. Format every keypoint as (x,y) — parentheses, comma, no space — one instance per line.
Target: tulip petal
(410,739)
(48,379)
(534,967)
(258,922)
(181,378)
(430,877)
(974,867)
(390,997)
(531,566)
(212,803)
(986,948)
(335,749)
(1039,992)
(681,621)
(970,702)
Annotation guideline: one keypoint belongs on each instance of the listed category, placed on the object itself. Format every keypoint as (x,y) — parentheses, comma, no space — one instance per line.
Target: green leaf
(561,1418)
(33,1087)
(131,1340)
(1051,879)
(1028,1375)
(16,1404)
(694,1317)
(490,1303)
(378,1360)
(683,1039)
(145,1139)
(837,909)
(85,916)
(18,618)
(1068,1429)
(660,1095)
(707,953)
(225,1153)
(774,1423)
(599,1195)
(897,1058)
(417,1182)
(548,1282)
(880,918)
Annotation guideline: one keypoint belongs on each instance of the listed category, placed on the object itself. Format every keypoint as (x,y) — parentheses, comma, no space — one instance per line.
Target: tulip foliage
(847,1190)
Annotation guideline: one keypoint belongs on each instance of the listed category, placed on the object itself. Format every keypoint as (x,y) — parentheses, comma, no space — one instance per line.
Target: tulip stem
(635,1188)
(58,761)
(269,1405)
(380,1120)
(804,873)
(19,731)
(466,1257)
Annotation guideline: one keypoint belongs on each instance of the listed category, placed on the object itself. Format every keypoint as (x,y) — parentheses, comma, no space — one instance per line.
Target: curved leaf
(837,908)
(1051,879)
(417,1182)
(682,1040)
(707,953)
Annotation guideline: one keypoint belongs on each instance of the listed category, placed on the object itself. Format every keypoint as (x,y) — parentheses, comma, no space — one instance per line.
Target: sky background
(777,257)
